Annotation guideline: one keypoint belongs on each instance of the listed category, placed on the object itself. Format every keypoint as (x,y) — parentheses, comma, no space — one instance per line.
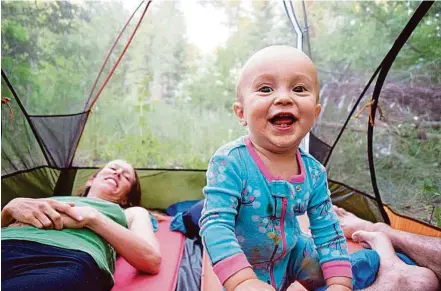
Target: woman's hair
(133,197)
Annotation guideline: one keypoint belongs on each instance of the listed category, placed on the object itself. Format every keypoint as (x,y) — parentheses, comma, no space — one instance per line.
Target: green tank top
(76,239)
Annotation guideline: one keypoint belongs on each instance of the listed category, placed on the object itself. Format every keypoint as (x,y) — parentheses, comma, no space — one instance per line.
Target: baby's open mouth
(283,120)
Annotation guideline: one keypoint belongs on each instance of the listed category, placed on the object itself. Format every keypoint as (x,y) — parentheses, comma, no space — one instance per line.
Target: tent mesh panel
(20,149)
(59,136)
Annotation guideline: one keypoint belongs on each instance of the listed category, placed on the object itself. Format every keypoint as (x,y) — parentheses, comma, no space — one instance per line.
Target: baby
(258,184)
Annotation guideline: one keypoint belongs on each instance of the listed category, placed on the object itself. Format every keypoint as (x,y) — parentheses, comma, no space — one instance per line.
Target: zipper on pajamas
(273,282)
(282,234)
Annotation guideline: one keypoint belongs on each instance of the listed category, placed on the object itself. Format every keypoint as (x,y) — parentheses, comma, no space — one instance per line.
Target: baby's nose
(283,99)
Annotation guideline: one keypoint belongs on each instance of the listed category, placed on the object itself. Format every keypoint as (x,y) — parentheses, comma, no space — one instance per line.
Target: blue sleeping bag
(186,217)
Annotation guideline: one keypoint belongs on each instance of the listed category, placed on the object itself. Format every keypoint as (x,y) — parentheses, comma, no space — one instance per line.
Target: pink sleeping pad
(172,246)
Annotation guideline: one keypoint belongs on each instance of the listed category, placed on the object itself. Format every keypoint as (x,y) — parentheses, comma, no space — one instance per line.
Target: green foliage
(371,27)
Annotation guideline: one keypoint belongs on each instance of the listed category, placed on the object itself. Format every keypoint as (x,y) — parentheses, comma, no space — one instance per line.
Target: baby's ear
(318,109)
(238,110)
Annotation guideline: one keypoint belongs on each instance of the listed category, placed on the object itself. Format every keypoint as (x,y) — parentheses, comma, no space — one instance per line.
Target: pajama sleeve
(217,223)
(325,228)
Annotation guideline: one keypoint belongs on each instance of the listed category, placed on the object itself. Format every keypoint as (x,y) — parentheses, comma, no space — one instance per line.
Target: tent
(84,82)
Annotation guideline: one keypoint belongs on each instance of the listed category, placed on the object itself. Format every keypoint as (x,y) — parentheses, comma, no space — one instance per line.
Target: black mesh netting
(319,149)
(59,136)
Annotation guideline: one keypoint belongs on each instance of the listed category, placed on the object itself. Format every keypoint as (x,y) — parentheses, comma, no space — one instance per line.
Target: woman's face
(113,182)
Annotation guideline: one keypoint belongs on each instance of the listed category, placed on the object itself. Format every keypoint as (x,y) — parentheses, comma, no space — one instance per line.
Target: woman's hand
(254,285)
(41,213)
(17,224)
(159,216)
(89,216)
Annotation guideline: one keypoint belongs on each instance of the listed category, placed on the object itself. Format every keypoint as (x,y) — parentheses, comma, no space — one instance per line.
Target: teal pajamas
(249,219)
(305,267)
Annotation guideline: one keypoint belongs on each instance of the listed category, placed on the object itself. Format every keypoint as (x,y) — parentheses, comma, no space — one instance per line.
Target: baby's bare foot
(351,223)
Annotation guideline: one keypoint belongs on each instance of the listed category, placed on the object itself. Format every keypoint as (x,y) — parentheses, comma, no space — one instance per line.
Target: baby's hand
(338,288)
(339,284)
(254,285)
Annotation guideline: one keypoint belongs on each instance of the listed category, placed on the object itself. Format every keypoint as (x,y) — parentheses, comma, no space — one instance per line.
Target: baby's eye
(299,89)
(265,89)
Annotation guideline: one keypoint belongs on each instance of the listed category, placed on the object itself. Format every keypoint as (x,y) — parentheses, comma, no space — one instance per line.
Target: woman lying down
(70,243)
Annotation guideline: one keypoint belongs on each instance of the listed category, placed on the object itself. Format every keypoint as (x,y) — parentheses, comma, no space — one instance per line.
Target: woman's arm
(140,223)
(138,244)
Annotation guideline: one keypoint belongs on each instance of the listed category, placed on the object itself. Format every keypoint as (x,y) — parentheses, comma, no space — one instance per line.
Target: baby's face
(277,98)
